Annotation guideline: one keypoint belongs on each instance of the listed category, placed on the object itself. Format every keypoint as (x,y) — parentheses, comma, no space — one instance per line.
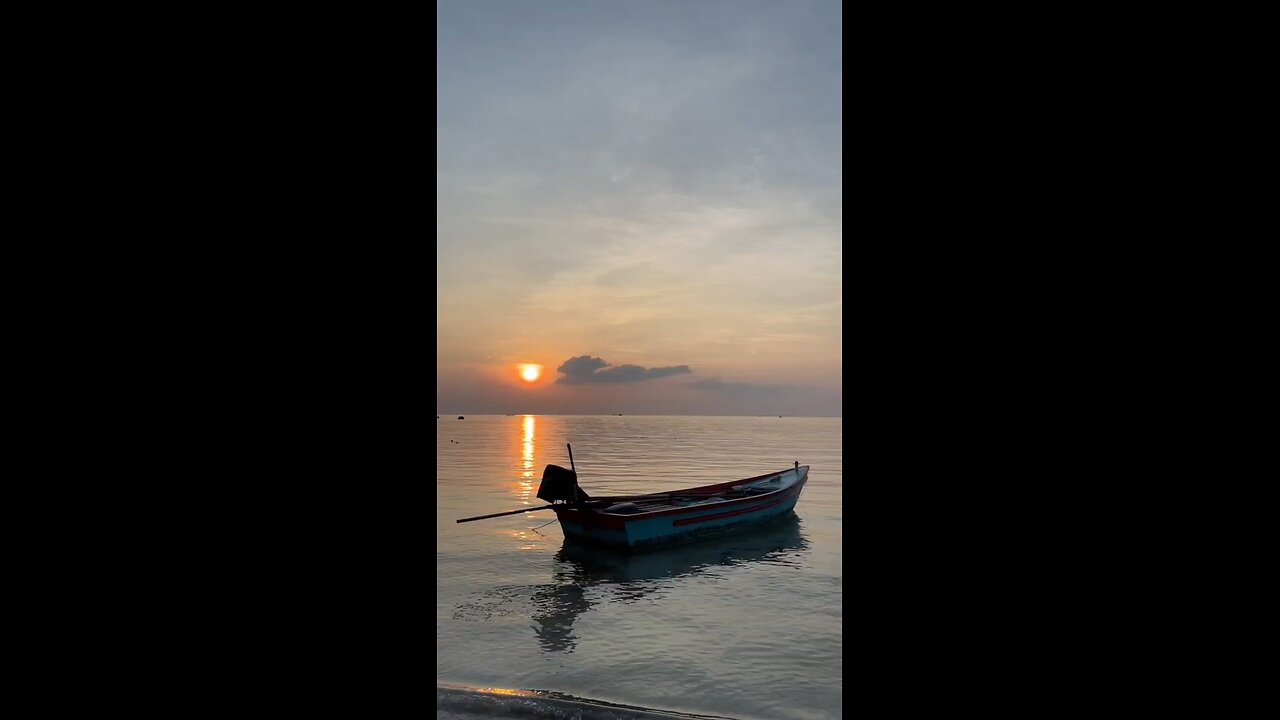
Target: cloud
(585,370)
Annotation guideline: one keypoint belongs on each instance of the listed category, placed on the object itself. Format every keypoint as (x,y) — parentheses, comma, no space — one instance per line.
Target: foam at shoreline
(461,702)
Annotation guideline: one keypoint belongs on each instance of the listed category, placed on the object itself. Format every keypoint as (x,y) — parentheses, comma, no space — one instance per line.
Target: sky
(643,197)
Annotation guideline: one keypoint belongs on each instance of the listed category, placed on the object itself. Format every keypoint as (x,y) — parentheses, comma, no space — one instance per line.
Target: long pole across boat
(512,512)
(600,502)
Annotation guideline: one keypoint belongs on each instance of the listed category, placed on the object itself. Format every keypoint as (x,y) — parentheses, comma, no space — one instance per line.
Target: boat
(660,519)
(587,564)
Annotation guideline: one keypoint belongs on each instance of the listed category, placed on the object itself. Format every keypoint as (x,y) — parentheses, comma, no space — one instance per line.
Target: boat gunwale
(707,489)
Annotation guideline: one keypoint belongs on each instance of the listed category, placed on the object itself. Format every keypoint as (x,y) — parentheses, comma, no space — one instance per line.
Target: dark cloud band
(586,370)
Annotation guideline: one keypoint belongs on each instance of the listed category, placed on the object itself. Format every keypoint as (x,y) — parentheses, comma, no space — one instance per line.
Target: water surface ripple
(745,626)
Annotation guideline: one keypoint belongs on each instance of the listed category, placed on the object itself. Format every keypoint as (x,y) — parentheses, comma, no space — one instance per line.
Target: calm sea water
(746,626)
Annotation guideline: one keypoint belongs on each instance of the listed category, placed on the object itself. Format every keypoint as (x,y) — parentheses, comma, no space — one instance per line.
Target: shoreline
(464,702)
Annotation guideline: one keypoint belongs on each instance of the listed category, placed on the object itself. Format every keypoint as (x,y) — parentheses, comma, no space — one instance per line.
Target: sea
(746,626)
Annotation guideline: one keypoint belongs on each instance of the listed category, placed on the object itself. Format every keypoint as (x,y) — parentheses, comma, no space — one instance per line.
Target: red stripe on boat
(717,516)
(612,521)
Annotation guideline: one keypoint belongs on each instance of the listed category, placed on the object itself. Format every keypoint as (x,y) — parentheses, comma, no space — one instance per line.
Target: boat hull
(649,530)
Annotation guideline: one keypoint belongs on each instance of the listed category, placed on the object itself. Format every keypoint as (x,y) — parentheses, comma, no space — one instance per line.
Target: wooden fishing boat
(659,519)
(588,564)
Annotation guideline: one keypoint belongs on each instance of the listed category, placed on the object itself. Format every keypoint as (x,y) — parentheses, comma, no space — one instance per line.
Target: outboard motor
(561,484)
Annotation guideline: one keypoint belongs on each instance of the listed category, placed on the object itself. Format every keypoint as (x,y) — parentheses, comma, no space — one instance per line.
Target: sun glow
(530,372)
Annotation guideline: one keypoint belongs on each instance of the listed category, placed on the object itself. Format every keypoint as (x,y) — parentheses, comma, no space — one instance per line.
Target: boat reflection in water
(583,569)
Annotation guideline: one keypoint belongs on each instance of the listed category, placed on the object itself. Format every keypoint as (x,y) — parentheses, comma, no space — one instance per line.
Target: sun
(530,372)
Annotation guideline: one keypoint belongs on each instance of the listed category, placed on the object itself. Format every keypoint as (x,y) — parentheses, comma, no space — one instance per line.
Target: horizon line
(441,413)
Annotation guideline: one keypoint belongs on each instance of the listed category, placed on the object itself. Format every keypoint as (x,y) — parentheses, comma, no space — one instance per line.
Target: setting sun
(530,372)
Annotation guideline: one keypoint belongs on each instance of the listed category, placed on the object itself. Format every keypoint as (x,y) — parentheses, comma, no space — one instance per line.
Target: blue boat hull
(670,526)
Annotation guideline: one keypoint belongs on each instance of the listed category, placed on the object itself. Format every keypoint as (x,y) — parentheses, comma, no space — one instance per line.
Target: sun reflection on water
(526,456)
